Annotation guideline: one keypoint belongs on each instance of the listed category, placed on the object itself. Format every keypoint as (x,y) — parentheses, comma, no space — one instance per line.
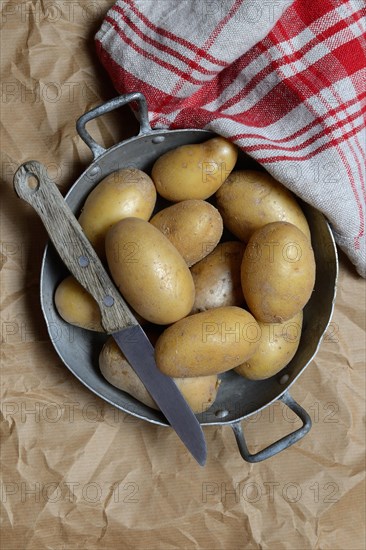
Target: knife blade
(32,184)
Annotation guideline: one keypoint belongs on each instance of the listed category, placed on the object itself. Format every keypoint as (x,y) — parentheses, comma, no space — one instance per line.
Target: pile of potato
(208,303)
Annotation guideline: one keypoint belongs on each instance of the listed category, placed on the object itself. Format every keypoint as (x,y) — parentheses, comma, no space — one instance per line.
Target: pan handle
(111,105)
(282,443)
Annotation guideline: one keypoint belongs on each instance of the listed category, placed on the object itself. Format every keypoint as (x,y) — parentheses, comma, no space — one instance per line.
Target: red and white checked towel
(286,81)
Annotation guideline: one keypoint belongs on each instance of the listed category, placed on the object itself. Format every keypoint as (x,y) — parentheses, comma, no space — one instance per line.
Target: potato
(199,392)
(217,278)
(277,272)
(149,271)
(248,200)
(277,346)
(123,194)
(116,369)
(206,343)
(76,306)
(193,226)
(194,171)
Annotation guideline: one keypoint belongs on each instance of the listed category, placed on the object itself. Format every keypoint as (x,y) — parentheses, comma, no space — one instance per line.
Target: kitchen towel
(285,81)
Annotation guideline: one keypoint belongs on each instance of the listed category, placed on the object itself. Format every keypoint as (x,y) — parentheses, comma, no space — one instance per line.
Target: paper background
(76,473)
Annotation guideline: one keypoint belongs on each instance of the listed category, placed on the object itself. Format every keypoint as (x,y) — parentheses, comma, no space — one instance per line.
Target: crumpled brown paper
(77,473)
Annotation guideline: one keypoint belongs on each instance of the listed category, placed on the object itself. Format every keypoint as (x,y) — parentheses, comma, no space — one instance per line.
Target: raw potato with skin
(76,306)
(149,271)
(199,392)
(217,278)
(249,199)
(277,346)
(194,171)
(194,227)
(277,272)
(123,194)
(206,343)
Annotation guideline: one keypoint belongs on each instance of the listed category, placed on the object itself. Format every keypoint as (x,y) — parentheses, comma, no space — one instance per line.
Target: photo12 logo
(15,330)
(69,491)
(234,333)
(14,91)
(253,491)
(253,12)
(51,11)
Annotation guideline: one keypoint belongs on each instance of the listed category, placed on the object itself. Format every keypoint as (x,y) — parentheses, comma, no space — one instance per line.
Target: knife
(32,183)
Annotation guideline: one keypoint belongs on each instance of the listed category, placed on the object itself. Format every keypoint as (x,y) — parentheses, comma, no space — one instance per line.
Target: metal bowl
(237,398)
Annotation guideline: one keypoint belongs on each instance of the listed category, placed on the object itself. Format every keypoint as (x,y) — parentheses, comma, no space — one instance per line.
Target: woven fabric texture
(285,81)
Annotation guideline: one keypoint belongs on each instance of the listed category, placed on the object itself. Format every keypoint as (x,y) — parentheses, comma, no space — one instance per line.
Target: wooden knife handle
(32,183)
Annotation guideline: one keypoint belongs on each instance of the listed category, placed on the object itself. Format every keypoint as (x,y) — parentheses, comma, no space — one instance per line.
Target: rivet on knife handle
(32,183)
